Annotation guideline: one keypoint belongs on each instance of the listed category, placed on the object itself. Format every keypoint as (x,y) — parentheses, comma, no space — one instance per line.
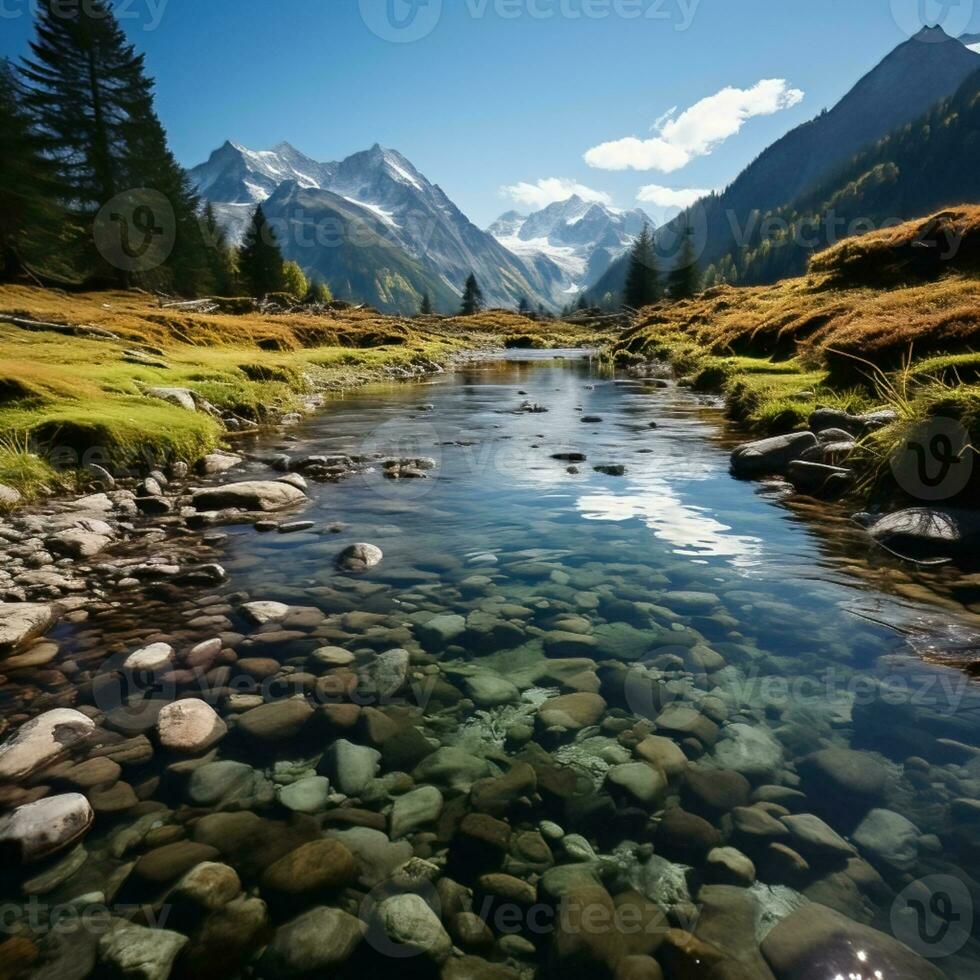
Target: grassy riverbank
(82,389)
(873,325)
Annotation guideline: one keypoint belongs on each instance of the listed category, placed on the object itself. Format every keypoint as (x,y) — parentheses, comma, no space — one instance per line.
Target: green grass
(76,399)
(21,469)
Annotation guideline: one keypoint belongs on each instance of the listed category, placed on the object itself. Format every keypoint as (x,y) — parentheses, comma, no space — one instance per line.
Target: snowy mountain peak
(405,234)
(582,238)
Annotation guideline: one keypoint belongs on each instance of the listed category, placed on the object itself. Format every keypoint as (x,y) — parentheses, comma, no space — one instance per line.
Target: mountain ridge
(904,85)
(374,190)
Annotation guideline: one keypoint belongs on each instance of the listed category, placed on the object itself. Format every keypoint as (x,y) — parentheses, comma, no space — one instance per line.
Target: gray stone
(261,613)
(351,767)
(415,809)
(315,944)
(309,795)
(409,923)
(926,534)
(767,456)
(889,838)
(254,495)
(227,783)
(359,557)
(139,953)
(180,397)
(749,749)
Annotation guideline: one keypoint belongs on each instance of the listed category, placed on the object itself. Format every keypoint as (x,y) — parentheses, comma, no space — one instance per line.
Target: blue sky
(505,93)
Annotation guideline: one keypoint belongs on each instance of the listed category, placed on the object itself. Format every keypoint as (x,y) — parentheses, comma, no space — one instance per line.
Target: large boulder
(41,741)
(767,456)
(37,830)
(815,941)
(925,534)
(23,621)
(263,495)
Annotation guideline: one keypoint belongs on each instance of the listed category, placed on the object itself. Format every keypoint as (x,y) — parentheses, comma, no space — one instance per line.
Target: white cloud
(668,197)
(548,190)
(697,131)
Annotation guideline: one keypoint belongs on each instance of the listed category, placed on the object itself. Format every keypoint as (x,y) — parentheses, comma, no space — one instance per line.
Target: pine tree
(642,279)
(92,103)
(473,300)
(220,255)
(524,306)
(260,261)
(27,210)
(684,279)
(425,307)
(583,303)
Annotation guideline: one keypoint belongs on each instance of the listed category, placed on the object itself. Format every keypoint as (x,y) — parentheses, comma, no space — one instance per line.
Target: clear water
(806,618)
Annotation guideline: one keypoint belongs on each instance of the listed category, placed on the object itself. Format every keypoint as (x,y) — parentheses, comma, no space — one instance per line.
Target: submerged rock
(41,741)
(816,941)
(23,621)
(925,534)
(189,725)
(37,830)
(140,953)
(359,557)
(314,944)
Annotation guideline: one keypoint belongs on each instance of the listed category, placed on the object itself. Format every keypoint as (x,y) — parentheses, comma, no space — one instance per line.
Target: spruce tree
(27,209)
(220,255)
(642,279)
(260,262)
(425,307)
(524,306)
(473,300)
(685,279)
(92,103)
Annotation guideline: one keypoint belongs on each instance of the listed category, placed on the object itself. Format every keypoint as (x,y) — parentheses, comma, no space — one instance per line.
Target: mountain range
(910,81)
(582,238)
(373,227)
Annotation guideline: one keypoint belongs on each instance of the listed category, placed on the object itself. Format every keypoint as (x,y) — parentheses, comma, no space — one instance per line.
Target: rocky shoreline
(516,767)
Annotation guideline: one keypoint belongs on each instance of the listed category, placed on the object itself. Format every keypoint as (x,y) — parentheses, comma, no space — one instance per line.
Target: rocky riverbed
(444,684)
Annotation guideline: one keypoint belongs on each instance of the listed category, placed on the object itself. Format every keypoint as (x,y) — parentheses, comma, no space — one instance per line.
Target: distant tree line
(90,193)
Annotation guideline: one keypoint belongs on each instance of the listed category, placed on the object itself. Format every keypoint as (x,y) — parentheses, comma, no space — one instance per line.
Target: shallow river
(757,641)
